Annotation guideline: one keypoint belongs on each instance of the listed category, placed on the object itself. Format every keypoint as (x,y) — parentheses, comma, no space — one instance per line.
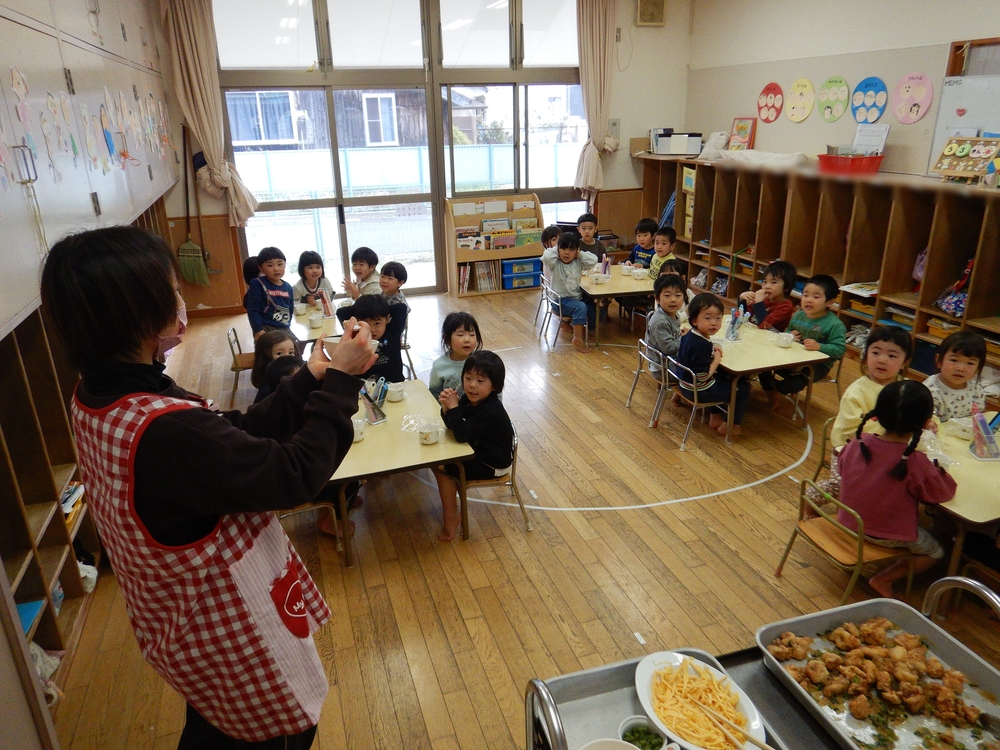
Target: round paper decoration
(801,97)
(770,102)
(833,98)
(869,99)
(912,97)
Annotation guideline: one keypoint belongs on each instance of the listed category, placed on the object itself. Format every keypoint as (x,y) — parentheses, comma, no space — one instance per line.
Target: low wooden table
(618,286)
(753,354)
(387,449)
(300,326)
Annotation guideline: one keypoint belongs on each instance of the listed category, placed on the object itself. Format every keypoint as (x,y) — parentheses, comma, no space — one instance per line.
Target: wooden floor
(431,644)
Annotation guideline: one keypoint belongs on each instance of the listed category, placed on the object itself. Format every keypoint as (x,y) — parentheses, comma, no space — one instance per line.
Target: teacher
(221,605)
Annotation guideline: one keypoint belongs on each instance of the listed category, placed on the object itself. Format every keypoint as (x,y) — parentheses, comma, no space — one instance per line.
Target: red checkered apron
(228,620)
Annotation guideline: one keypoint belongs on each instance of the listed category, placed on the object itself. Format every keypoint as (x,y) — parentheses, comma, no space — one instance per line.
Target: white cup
(627,270)
(785,340)
(430,432)
(639,273)
(300,308)
(316,320)
(359,428)
(600,278)
(395,392)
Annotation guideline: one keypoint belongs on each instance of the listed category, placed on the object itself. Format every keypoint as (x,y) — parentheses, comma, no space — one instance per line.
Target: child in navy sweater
(269,300)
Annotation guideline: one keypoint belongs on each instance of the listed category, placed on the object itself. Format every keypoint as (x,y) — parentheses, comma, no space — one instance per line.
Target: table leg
(953,562)
(463,501)
(732,410)
(809,393)
(345,527)
(597,323)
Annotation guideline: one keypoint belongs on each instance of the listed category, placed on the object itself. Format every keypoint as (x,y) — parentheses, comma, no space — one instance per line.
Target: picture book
(522,205)
(525,223)
(472,243)
(461,232)
(527,237)
(503,239)
(491,225)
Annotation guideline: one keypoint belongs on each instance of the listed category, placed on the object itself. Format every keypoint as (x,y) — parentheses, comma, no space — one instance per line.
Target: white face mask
(169,342)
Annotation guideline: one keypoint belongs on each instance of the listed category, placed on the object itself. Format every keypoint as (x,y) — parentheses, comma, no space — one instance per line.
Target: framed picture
(744,130)
(650,12)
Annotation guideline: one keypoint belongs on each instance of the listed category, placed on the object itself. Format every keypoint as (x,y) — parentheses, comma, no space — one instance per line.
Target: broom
(189,255)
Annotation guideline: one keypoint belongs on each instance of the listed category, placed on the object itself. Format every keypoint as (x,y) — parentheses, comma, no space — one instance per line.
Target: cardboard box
(685,144)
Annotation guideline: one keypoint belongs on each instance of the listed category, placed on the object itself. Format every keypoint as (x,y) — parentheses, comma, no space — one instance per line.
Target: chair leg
(909,578)
(654,420)
(784,557)
(413,370)
(538,309)
(690,422)
(524,512)
(555,339)
(635,381)
(236,384)
(850,585)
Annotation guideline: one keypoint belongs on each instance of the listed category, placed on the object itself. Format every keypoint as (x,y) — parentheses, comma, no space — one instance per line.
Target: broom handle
(197,208)
(187,200)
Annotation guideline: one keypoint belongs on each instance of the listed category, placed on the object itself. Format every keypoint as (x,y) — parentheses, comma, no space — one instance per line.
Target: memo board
(966,157)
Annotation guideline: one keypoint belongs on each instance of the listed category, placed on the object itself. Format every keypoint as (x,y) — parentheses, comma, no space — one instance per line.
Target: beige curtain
(595,21)
(191,38)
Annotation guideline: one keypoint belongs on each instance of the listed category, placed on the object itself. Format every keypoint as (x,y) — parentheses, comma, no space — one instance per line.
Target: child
(479,419)
(587,226)
(393,276)
(565,263)
(960,358)
(884,477)
(250,271)
(279,368)
(461,338)
(680,267)
(663,248)
(312,278)
(819,330)
(702,357)
(664,331)
(643,250)
(363,263)
(198,553)
(772,305)
(386,323)
(277,343)
(550,236)
(269,300)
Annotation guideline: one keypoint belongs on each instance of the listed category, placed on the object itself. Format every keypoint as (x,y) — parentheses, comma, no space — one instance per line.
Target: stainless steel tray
(941,644)
(591,704)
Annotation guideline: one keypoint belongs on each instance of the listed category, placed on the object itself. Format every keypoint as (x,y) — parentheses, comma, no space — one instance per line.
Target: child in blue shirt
(269,300)
(643,251)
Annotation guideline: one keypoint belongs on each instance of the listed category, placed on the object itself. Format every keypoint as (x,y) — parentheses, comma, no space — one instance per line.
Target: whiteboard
(977,97)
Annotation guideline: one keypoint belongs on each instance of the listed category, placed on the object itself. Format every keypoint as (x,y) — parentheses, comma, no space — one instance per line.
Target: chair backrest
(685,375)
(234,344)
(551,297)
(822,511)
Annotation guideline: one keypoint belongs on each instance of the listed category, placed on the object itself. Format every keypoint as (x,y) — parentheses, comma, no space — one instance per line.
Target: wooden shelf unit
(863,228)
(461,256)
(37,461)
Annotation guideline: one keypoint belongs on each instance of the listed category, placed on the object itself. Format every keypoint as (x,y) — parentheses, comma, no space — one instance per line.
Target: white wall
(650,89)
(737,32)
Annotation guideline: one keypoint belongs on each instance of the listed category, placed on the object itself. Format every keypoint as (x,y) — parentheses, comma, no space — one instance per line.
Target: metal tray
(591,704)
(942,645)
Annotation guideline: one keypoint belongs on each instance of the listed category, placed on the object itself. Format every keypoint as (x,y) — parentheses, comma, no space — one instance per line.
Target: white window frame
(260,119)
(378,96)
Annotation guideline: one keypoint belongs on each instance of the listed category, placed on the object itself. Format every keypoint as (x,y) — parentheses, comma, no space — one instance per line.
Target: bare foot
(449,528)
(734,433)
(883,588)
(773,399)
(676,400)
(714,420)
(326,526)
(581,347)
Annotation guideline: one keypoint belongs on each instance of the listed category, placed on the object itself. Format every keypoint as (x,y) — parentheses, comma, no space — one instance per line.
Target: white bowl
(785,340)
(608,745)
(640,721)
(330,343)
(600,278)
(640,273)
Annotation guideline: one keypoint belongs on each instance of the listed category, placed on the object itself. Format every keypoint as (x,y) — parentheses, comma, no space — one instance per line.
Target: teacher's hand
(353,355)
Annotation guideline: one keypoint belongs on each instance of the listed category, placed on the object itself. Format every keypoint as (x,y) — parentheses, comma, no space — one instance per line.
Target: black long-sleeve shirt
(389,364)
(486,427)
(194,465)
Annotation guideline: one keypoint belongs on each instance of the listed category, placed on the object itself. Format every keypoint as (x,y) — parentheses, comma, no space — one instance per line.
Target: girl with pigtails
(884,477)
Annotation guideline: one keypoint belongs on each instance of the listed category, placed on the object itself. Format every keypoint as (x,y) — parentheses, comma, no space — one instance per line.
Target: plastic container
(521,280)
(521,265)
(829,164)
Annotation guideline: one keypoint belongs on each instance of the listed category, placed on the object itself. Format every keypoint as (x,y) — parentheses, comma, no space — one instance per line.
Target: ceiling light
(456,24)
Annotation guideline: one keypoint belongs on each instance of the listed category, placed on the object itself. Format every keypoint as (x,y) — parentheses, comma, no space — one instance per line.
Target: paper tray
(945,647)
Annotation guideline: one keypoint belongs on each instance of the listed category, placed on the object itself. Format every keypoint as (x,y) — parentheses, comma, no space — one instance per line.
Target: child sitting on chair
(550,236)
(393,276)
(565,264)
(386,322)
(664,242)
(269,347)
(771,304)
(479,419)
(363,263)
(461,338)
(269,299)
(643,250)
(312,279)
(664,331)
(956,387)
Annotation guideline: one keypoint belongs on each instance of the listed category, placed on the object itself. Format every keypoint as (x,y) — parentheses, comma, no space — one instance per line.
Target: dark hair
(311,258)
(569,241)
(262,353)
(269,253)
(676,266)
(366,307)
(902,407)
(107,292)
(251,270)
(827,283)
(703,301)
(586,217)
(785,271)
(365,255)
(395,270)
(667,232)
(279,368)
(668,281)
(890,335)
(551,232)
(965,343)
(646,225)
(456,321)
(489,365)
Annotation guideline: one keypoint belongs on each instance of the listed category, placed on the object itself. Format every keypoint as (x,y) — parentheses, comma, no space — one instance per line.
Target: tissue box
(685,143)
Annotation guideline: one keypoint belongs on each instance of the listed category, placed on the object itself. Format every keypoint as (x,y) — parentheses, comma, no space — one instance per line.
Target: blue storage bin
(522,265)
(521,280)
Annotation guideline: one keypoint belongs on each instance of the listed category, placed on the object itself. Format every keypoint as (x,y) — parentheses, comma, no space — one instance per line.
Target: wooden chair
(832,377)
(240,363)
(824,462)
(553,306)
(848,550)
(684,378)
(507,480)
(648,356)
(541,296)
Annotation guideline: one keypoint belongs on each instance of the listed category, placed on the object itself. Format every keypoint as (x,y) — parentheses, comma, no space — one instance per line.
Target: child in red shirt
(883,478)
(771,304)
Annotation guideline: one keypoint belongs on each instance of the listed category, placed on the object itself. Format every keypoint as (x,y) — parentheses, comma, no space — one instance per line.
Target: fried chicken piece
(831,660)
(903,673)
(879,622)
(795,672)
(891,696)
(935,668)
(790,646)
(913,697)
(860,709)
(947,738)
(816,672)
(837,686)
(800,651)
(851,628)
(844,639)
(897,653)
(969,713)
(805,684)
(954,681)
(854,658)
(917,654)
(907,640)
(944,700)
(870,670)
(884,681)
(780,651)
(872,634)
(874,652)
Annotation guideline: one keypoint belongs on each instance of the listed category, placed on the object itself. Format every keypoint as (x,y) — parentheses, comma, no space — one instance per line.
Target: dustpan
(189,255)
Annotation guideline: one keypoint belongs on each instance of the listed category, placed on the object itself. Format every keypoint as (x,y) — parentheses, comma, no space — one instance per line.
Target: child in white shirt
(956,387)
(565,264)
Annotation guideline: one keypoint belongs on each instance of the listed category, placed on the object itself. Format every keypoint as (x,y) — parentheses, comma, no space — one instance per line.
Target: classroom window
(376,35)
(569,211)
(556,131)
(549,33)
(294,232)
(403,232)
(257,34)
(380,119)
(482,131)
(475,33)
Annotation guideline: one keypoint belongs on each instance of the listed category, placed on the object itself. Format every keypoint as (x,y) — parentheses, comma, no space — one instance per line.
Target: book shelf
(37,462)
(489,260)
(863,228)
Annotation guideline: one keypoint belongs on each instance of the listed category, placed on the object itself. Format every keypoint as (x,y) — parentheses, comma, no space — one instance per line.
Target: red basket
(850,164)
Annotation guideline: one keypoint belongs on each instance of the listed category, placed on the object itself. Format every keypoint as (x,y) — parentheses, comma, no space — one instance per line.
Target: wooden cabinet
(137,17)
(94,22)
